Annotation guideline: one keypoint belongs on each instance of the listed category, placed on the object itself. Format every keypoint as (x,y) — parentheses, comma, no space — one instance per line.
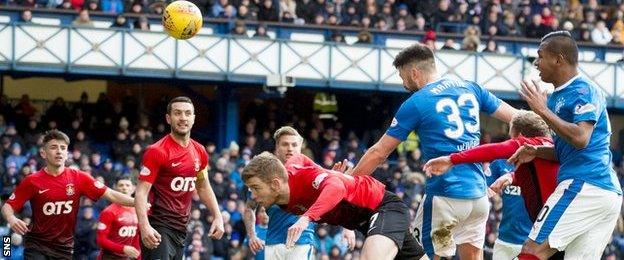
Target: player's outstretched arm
(479,154)
(504,112)
(249,218)
(546,152)
(207,196)
(528,152)
(576,134)
(376,155)
(118,198)
(149,235)
(15,223)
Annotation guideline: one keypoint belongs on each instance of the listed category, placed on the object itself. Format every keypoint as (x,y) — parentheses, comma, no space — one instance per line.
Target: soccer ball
(182,19)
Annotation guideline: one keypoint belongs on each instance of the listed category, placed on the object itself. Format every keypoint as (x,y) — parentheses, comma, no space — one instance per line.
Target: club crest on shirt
(317,181)
(69,189)
(560,103)
(394,122)
(197,164)
(98,184)
(101,226)
(145,171)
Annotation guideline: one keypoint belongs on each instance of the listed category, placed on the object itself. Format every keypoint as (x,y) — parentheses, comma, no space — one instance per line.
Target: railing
(393,39)
(114,52)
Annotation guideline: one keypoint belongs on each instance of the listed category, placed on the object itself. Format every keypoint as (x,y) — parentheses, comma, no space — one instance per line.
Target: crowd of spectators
(108,138)
(597,21)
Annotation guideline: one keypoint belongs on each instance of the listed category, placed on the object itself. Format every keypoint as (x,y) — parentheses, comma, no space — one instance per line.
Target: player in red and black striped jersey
(174,168)
(117,232)
(54,193)
(537,179)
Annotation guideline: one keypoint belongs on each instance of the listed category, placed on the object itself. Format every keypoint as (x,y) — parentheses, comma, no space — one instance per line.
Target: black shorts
(34,254)
(171,246)
(392,221)
(109,256)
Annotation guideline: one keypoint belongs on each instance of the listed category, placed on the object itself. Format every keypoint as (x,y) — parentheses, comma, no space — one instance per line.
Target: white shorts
(578,218)
(505,251)
(455,222)
(280,252)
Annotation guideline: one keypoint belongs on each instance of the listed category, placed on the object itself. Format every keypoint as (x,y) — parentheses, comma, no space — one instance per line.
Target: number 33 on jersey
(445,115)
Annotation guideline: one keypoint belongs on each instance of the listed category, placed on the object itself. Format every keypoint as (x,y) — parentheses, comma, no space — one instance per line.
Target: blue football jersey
(515,224)
(280,221)
(576,101)
(445,114)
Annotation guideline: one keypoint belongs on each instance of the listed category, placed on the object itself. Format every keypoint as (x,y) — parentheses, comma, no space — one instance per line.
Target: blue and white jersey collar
(567,83)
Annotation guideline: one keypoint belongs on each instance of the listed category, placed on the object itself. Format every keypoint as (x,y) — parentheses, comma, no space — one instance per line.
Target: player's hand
(18,225)
(294,231)
(349,236)
(534,96)
(490,193)
(216,228)
(150,237)
(525,154)
(343,166)
(131,251)
(501,182)
(438,166)
(255,244)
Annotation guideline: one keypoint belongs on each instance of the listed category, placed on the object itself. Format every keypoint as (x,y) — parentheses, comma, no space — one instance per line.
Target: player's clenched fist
(294,232)
(216,229)
(150,237)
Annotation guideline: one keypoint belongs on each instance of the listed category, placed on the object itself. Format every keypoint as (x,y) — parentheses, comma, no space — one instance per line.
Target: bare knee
(468,251)
(530,247)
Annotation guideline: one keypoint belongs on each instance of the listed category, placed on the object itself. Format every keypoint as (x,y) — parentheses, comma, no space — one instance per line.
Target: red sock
(527,256)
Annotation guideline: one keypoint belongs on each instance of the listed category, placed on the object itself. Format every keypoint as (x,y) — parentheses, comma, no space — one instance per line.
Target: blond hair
(529,124)
(285,130)
(266,167)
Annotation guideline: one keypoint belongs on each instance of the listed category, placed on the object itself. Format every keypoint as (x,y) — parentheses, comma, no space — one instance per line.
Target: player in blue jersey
(288,143)
(445,114)
(515,223)
(581,214)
